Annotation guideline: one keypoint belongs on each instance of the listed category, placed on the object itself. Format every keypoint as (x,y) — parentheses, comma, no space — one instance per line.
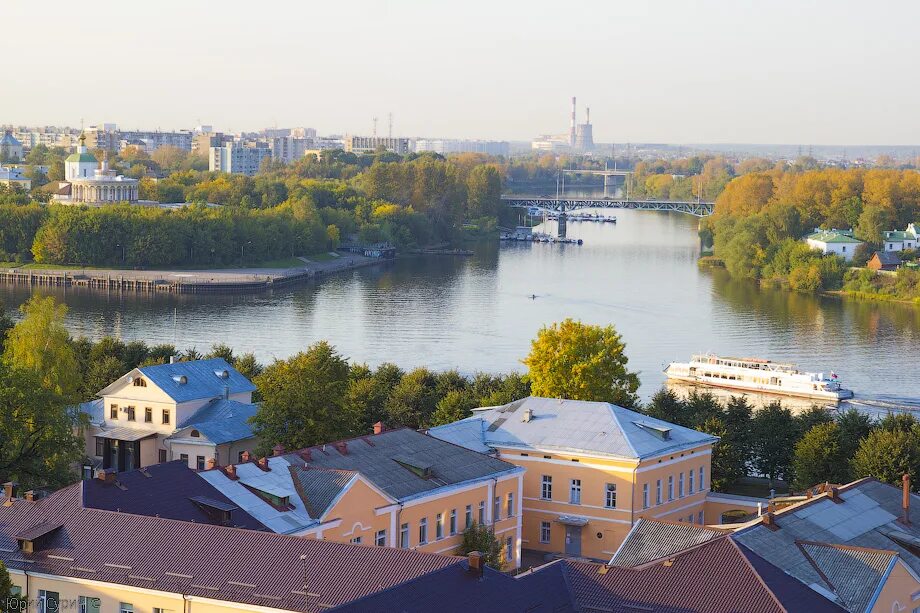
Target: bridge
(697,208)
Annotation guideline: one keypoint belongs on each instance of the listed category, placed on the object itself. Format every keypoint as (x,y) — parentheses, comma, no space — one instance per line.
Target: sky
(798,72)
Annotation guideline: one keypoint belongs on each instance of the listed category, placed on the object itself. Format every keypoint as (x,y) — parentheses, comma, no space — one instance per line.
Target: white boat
(756,375)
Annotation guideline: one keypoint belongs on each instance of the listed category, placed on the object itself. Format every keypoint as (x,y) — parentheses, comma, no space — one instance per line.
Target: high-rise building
(370,144)
(238,157)
(445,146)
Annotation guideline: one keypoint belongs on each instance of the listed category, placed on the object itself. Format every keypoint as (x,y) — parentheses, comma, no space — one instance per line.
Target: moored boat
(757,375)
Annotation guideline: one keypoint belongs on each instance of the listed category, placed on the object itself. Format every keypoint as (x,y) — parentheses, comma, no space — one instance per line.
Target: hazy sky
(835,72)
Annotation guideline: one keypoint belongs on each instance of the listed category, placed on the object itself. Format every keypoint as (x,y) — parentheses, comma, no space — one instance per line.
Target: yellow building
(592,469)
(396,488)
(195,411)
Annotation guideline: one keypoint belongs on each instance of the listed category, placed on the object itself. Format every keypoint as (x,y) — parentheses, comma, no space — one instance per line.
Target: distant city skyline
(713,72)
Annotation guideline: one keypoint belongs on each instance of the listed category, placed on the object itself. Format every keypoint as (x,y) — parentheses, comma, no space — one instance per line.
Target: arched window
(140,382)
(195,433)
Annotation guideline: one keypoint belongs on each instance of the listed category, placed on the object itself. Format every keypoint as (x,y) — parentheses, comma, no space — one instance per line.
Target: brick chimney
(263,464)
(378,427)
(905,499)
(834,494)
(212,464)
(278,450)
(769,521)
(342,447)
(306,455)
(475,562)
(246,457)
(9,489)
(29,496)
(107,475)
(231,472)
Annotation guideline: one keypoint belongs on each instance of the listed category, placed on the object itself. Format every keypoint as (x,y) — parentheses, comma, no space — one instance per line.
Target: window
(184,457)
(199,462)
(702,482)
(510,511)
(547,491)
(469,516)
(239,457)
(575,492)
(130,412)
(87,604)
(381,538)
(699,518)
(148,415)
(195,434)
(690,483)
(670,487)
(645,495)
(453,522)
(125,607)
(162,455)
(100,446)
(496,509)
(404,536)
(509,549)
(355,541)
(113,411)
(544,531)
(658,492)
(166,416)
(482,512)
(140,382)
(423,530)
(690,518)
(610,500)
(439,526)
(48,601)
(680,485)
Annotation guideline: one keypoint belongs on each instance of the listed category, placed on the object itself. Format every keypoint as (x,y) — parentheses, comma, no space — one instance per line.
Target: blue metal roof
(223,421)
(203,379)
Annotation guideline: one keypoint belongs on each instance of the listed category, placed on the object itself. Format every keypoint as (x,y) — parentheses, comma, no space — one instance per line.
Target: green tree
(302,399)
(221,350)
(580,361)
(40,435)
(818,457)
(454,406)
(887,455)
(734,446)
(6,324)
(482,538)
(7,601)
(811,417)
(853,427)
(41,343)
(484,191)
(667,406)
(413,400)
(724,472)
(773,436)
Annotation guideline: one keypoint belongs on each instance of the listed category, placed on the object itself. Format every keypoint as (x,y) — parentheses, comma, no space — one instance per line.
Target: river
(476,313)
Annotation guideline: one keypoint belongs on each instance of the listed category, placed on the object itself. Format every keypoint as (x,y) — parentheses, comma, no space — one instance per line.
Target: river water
(477,314)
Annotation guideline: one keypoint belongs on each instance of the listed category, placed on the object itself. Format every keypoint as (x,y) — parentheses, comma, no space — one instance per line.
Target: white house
(194,411)
(896,240)
(837,242)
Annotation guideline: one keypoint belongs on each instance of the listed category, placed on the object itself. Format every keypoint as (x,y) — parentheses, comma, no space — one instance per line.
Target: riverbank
(187,281)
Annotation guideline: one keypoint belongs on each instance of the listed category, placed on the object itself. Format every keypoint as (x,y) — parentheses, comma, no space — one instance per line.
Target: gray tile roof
(318,487)
(652,540)
(572,425)
(854,573)
(867,514)
(387,460)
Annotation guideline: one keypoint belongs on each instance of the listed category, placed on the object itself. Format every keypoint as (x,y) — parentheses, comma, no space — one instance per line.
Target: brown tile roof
(200,559)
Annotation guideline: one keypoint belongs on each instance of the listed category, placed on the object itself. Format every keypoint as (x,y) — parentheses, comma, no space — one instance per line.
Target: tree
(40,435)
(887,455)
(818,457)
(481,538)
(723,471)
(412,401)
(484,191)
(8,602)
(811,417)
(853,427)
(454,406)
(221,350)
(302,399)
(41,343)
(665,405)
(773,437)
(734,446)
(6,324)
(580,361)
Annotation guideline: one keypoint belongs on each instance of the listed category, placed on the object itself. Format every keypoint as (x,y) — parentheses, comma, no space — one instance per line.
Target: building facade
(370,144)
(592,469)
(448,146)
(835,242)
(897,240)
(10,148)
(238,158)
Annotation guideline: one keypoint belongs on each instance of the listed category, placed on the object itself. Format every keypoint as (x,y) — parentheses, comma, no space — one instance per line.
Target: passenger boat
(756,375)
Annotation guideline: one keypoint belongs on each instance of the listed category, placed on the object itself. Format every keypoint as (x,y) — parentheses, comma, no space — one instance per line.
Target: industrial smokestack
(588,115)
(572,126)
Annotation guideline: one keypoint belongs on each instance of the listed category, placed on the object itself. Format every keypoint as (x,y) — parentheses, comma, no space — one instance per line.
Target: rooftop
(571,425)
(833,236)
(651,539)
(194,380)
(223,421)
(196,559)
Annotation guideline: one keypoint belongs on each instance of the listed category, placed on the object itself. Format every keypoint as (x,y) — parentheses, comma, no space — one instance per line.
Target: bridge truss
(695,208)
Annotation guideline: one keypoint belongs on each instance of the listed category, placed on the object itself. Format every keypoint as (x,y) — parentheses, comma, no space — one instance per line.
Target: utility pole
(375,127)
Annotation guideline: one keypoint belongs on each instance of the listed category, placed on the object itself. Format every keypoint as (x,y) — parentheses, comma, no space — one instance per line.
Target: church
(87,181)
